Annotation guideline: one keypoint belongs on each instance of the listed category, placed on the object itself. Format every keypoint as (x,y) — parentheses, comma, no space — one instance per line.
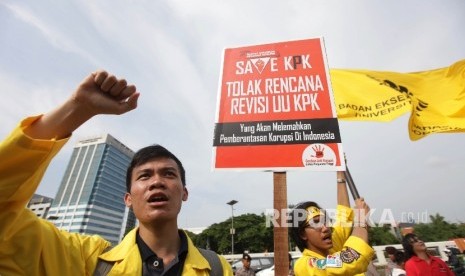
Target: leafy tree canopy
(251,234)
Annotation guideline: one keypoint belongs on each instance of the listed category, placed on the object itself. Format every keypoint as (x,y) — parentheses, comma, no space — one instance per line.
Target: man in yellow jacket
(156,189)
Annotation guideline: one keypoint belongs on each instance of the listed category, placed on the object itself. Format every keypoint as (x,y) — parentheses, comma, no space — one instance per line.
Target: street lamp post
(232,202)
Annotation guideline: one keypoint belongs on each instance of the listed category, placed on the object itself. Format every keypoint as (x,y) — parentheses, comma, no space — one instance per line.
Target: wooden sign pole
(280,233)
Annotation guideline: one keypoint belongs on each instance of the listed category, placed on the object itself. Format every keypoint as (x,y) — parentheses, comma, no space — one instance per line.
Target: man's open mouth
(157,198)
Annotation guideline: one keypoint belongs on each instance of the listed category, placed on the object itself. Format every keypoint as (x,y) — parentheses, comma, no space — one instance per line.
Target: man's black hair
(391,250)
(399,257)
(407,245)
(150,153)
(297,222)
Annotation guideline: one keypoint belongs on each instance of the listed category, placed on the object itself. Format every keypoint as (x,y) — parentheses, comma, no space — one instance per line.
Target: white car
(270,271)
(266,272)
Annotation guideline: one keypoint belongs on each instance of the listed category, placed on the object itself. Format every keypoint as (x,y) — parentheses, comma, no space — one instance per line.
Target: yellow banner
(436,98)
(439,106)
(363,95)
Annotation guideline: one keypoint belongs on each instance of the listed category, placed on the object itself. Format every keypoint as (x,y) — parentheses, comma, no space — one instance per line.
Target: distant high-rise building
(40,205)
(90,199)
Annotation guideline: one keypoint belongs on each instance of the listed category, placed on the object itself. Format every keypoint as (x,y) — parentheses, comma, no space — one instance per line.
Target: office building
(90,199)
(40,205)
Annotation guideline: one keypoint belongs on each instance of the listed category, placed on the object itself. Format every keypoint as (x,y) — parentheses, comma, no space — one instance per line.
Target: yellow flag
(439,106)
(436,98)
(369,95)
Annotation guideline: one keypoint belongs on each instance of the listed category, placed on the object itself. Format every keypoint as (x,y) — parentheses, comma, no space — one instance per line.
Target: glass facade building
(90,199)
(40,205)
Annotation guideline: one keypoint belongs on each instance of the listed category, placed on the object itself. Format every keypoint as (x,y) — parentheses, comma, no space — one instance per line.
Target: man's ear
(128,200)
(185,194)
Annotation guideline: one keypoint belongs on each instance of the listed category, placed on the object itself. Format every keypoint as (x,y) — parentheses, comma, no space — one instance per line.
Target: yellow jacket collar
(128,249)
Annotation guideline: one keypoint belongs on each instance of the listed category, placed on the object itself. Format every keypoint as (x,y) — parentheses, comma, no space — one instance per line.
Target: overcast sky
(171,50)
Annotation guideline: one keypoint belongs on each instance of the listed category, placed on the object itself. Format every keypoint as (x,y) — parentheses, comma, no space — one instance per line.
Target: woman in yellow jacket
(338,248)
(32,246)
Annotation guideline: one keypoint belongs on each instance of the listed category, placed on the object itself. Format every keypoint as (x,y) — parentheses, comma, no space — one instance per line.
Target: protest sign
(276,109)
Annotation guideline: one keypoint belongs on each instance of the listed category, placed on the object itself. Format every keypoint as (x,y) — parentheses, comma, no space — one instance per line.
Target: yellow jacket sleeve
(29,245)
(342,227)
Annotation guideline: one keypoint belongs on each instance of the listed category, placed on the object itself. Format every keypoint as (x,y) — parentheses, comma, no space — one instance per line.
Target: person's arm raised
(25,158)
(98,93)
(362,211)
(342,226)
(342,194)
(26,154)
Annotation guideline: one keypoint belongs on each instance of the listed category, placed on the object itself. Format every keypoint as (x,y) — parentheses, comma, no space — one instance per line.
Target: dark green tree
(460,232)
(381,235)
(251,234)
(437,230)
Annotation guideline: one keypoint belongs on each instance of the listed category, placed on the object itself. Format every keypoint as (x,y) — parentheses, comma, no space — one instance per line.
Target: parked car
(270,271)
(257,263)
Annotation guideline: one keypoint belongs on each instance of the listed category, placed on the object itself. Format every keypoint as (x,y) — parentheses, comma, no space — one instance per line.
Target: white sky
(172,51)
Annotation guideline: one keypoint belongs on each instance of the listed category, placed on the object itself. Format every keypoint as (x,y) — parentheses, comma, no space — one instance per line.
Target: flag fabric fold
(434,98)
